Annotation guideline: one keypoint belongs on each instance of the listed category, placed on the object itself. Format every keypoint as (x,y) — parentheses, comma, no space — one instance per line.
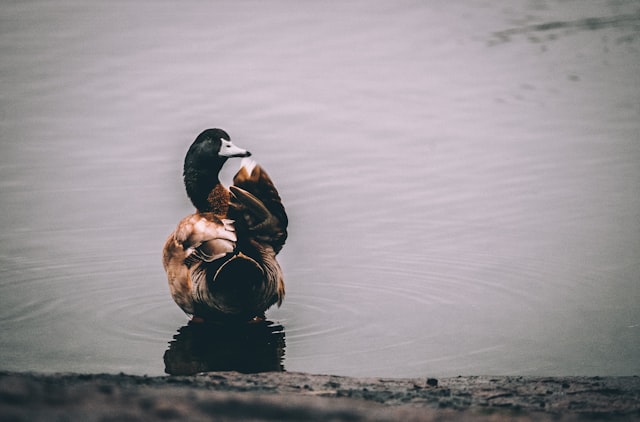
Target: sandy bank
(297,396)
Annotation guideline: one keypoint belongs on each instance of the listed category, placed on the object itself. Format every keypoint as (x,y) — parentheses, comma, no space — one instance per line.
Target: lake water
(462,179)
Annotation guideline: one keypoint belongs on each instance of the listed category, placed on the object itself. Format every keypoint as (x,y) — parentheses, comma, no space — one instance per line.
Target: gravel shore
(287,396)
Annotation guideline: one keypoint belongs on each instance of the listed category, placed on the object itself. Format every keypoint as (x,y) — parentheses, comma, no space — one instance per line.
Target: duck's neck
(207,193)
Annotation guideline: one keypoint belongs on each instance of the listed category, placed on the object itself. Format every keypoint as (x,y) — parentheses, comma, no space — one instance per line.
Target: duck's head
(206,156)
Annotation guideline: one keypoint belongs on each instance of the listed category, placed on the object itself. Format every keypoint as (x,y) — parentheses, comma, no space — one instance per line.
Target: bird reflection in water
(256,346)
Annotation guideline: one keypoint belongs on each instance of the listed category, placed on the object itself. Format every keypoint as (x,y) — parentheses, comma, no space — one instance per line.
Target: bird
(221,260)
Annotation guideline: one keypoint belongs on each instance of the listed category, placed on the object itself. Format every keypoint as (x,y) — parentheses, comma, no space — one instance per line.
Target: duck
(220,260)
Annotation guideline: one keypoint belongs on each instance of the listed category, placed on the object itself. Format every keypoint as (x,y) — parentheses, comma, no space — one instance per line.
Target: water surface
(462,180)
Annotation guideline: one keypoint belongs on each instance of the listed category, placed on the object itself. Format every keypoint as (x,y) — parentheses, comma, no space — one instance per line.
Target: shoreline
(300,396)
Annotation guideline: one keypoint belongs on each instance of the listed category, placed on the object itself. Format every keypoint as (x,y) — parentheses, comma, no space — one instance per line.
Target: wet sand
(285,396)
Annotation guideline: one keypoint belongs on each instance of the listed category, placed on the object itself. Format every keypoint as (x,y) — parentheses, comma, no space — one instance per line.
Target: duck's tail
(255,200)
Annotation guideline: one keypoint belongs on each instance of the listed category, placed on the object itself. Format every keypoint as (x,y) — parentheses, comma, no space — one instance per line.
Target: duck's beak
(228,149)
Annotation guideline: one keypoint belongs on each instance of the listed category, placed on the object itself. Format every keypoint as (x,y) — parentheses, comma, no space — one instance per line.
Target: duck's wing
(197,238)
(256,202)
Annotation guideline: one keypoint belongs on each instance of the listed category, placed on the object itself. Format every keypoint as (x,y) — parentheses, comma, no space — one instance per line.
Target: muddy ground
(287,396)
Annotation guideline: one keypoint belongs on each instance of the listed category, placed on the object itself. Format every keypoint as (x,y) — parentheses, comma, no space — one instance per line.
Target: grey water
(462,179)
